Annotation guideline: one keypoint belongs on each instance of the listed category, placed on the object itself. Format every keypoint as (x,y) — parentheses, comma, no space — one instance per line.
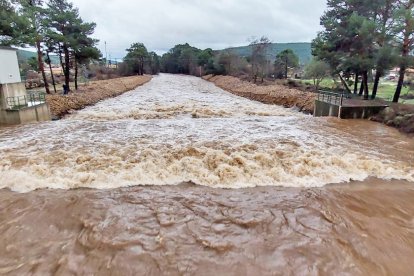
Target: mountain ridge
(302,49)
(24,56)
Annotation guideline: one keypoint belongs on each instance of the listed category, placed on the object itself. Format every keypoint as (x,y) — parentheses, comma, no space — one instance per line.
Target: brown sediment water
(102,191)
(351,229)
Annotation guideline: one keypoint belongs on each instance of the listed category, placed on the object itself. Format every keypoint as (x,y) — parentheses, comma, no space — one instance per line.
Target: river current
(182,129)
(155,161)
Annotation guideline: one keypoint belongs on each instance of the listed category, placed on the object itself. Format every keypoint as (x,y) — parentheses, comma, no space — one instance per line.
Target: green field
(386,89)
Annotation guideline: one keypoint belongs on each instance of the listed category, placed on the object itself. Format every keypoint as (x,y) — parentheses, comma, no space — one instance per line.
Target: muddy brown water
(179,177)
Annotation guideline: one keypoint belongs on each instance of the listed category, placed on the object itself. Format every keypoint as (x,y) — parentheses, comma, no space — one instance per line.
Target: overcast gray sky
(217,24)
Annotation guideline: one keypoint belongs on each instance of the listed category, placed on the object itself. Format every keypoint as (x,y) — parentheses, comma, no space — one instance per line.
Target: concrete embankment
(92,93)
(270,94)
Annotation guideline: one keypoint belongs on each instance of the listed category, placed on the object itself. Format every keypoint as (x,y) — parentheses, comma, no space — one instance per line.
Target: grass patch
(386,89)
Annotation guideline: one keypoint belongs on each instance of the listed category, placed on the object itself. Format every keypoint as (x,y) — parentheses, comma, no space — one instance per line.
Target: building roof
(7,48)
(397,69)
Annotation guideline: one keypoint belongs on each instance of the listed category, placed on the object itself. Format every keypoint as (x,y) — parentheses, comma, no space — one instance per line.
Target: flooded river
(179,177)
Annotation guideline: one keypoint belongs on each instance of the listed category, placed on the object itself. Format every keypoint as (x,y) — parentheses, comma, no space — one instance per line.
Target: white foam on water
(178,129)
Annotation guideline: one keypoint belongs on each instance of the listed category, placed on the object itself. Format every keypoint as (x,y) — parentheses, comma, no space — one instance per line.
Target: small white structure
(16,106)
(9,68)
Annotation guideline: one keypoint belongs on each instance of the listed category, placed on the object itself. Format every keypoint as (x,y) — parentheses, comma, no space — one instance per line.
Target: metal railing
(28,100)
(331,97)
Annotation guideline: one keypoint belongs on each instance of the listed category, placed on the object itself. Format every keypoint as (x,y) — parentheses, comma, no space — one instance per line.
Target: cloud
(217,24)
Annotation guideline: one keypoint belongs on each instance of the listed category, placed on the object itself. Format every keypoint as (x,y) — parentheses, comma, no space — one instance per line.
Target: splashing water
(179,129)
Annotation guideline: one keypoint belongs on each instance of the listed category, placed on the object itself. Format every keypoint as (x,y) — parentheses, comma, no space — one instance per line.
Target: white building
(16,106)
(9,68)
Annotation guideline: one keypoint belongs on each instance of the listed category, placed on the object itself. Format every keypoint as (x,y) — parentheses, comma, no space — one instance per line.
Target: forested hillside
(302,50)
(24,56)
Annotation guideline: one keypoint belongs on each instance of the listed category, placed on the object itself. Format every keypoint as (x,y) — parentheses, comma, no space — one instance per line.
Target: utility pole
(106,56)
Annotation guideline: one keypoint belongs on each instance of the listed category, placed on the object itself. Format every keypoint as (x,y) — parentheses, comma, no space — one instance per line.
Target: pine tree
(50,48)
(83,45)
(287,59)
(28,29)
(71,35)
(137,54)
(385,55)
(404,25)
(356,40)
(13,27)
(60,16)
(153,63)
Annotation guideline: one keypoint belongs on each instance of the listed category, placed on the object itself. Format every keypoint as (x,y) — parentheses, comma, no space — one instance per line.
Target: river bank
(400,116)
(269,94)
(92,93)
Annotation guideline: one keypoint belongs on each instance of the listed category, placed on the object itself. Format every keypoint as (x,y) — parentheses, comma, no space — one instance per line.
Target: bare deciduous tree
(258,58)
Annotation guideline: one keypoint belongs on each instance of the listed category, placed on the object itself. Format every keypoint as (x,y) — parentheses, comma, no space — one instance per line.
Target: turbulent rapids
(183,129)
(184,139)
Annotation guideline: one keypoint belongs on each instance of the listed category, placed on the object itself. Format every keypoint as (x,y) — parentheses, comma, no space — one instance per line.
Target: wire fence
(31,99)
(331,97)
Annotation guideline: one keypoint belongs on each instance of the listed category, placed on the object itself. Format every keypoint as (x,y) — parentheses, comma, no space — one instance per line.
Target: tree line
(360,38)
(186,59)
(181,59)
(139,61)
(52,27)
(364,36)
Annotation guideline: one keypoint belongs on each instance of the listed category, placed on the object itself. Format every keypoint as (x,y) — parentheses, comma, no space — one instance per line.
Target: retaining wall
(25,115)
(345,112)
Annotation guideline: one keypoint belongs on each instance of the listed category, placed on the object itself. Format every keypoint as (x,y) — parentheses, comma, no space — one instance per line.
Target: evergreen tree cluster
(186,59)
(361,37)
(139,61)
(52,26)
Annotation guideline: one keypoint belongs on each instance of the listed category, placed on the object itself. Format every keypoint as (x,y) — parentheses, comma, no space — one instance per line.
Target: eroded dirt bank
(355,229)
(400,116)
(271,94)
(92,93)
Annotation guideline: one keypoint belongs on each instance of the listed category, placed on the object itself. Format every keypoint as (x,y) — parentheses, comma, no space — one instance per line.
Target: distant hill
(24,55)
(302,50)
